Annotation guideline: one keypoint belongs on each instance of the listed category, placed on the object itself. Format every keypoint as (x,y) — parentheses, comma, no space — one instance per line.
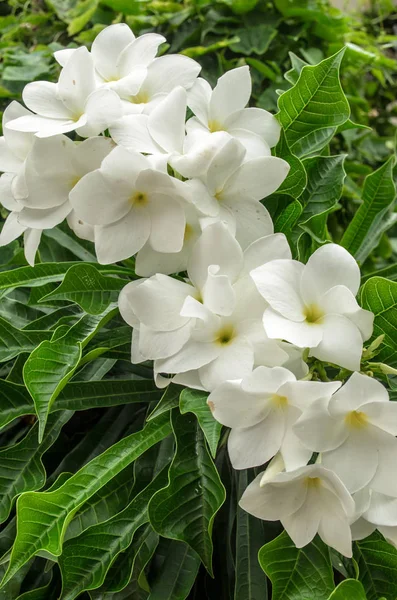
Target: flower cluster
(221,306)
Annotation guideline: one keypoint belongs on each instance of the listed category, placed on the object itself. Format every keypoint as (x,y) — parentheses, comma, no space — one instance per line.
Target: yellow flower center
(279,401)
(313,314)
(139,199)
(313,482)
(140,98)
(225,335)
(75,181)
(356,419)
(214,126)
(188,232)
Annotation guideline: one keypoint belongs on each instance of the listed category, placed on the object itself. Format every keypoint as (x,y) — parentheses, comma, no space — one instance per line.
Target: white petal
(387,451)
(122,167)
(6,196)
(356,392)
(202,198)
(334,530)
(45,218)
(140,52)
(302,334)
(293,452)
(224,163)
(77,81)
(361,529)
(157,302)
(88,155)
(234,407)
(12,229)
(9,162)
(382,510)
(99,202)
(166,123)
(218,294)
(253,220)
(156,345)
(215,246)
(294,362)
(274,500)
(19,143)
(303,524)
(340,300)
(235,360)
(254,145)
(318,430)
(107,47)
(132,132)
(45,126)
(42,98)
(256,179)
(382,415)
(167,223)
(341,342)
(62,56)
(303,393)
(199,97)
(330,265)
(167,72)
(257,120)
(126,305)
(148,261)
(103,108)
(266,381)
(31,240)
(192,356)
(122,239)
(80,228)
(266,249)
(232,92)
(254,446)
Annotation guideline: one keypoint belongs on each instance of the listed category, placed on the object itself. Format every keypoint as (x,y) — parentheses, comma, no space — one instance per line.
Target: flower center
(313,313)
(218,195)
(214,126)
(139,199)
(225,335)
(279,401)
(188,232)
(140,98)
(75,180)
(313,482)
(356,419)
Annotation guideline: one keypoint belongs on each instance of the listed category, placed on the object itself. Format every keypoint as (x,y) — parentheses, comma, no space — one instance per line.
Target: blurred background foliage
(275,38)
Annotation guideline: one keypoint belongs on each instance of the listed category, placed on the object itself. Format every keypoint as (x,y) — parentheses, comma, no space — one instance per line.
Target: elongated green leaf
(177,575)
(86,559)
(364,231)
(251,583)
(389,272)
(186,508)
(297,573)
(18,313)
(377,564)
(70,243)
(44,516)
(312,109)
(295,182)
(52,364)
(380,296)
(87,287)
(325,177)
(21,467)
(15,341)
(195,402)
(168,401)
(288,217)
(45,592)
(43,273)
(350,589)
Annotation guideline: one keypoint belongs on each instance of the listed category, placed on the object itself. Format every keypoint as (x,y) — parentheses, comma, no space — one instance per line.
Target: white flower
(261,409)
(74,103)
(375,511)
(120,59)
(53,168)
(314,305)
(130,203)
(355,432)
(207,330)
(232,189)
(223,109)
(307,501)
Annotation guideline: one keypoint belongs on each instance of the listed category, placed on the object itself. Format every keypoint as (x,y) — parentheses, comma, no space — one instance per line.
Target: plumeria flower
(162,133)
(223,109)
(375,511)
(232,189)
(308,500)
(130,203)
(261,409)
(53,168)
(72,104)
(120,59)
(207,329)
(355,432)
(314,305)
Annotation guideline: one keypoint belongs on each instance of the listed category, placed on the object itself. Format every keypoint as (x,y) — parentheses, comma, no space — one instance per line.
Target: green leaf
(307,570)
(22,469)
(44,516)
(325,177)
(186,508)
(168,401)
(69,242)
(15,341)
(350,589)
(288,217)
(377,564)
(87,287)
(195,401)
(43,273)
(86,559)
(311,110)
(296,180)
(364,231)
(255,39)
(380,296)
(250,581)
(52,364)
(177,574)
